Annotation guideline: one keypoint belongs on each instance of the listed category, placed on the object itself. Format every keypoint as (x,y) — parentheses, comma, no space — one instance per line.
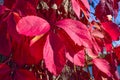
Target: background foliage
(59,39)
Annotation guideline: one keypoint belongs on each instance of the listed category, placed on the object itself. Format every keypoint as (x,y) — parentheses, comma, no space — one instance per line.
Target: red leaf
(26,7)
(85,7)
(97,33)
(103,66)
(12,28)
(117,52)
(5,45)
(104,8)
(58,2)
(99,42)
(86,4)
(71,48)
(69,57)
(9,3)
(107,41)
(2,10)
(77,31)
(33,2)
(70,45)
(16,17)
(96,73)
(21,54)
(32,26)
(54,54)
(80,4)
(108,47)
(112,29)
(5,72)
(111,58)
(22,74)
(79,58)
(48,54)
(91,52)
(76,7)
(97,47)
(24,54)
(36,48)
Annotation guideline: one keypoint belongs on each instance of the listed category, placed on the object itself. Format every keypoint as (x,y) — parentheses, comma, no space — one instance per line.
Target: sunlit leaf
(76,7)
(54,50)
(102,65)
(79,58)
(32,26)
(112,29)
(97,33)
(77,31)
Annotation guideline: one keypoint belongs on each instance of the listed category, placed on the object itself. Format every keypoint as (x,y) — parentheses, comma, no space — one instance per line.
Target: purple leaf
(104,8)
